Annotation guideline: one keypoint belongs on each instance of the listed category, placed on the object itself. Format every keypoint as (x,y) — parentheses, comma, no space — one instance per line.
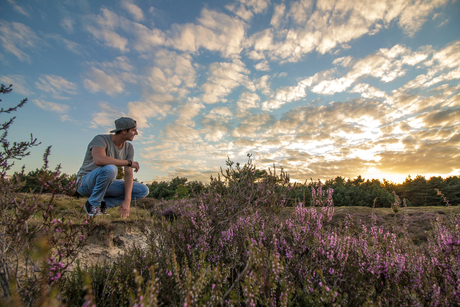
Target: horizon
(319,88)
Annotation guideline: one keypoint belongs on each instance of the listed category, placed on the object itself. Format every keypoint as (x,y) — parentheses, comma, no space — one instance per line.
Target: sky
(319,88)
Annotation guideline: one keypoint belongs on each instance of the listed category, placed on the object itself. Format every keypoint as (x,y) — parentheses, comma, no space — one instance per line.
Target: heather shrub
(36,245)
(231,246)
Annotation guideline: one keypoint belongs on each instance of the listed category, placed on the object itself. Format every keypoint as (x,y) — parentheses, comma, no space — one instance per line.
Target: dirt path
(107,242)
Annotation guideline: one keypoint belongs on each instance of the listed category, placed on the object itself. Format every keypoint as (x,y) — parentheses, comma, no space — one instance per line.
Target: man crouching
(97,175)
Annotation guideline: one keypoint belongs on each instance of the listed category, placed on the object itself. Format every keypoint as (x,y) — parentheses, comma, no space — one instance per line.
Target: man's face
(131,133)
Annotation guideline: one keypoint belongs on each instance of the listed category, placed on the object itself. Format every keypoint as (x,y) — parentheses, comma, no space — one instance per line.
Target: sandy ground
(107,242)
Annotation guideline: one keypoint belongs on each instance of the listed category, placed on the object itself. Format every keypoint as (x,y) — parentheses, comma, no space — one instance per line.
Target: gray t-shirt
(105,141)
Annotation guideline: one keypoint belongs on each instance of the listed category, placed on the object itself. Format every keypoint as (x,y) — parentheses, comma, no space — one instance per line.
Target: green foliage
(182,191)
(178,187)
(422,192)
(359,192)
(121,173)
(36,181)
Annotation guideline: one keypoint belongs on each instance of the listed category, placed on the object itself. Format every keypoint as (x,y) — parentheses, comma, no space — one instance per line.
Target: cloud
(247,8)
(278,15)
(449,57)
(447,117)
(164,86)
(106,116)
(70,45)
(67,24)
(253,125)
(103,26)
(214,32)
(133,9)
(19,84)
(368,91)
(247,101)
(150,106)
(18,8)
(300,11)
(120,63)
(257,6)
(111,77)
(182,130)
(223,78)
(56,86)
(217,124)
(349,138)
(287,94)
(192,158)
(264,66)
(114,31)
(241,11)
(147,39)
(412,15)
(101,82)
(181,133)
(15,37)
(52,106)
(172,73)
(303,27)
(343,61)
(386,65)
(263,85)
(187,112)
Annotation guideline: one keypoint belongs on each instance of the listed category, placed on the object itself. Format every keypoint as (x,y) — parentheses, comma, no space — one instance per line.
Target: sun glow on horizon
(373,173)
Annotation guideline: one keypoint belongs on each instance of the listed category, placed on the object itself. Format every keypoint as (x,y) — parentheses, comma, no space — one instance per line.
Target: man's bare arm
(126,204)
(101,159)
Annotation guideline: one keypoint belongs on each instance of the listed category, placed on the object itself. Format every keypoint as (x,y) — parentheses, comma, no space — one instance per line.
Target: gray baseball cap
(124,123)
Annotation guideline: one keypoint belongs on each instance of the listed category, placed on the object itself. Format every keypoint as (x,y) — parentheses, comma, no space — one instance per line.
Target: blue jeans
(100,185)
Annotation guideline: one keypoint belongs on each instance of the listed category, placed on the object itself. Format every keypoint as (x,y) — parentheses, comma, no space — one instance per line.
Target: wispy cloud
(67,24)
(105,116)
(19,84)
(223,78)
(110,77)
(133,9)
(247,101)
(70,45)
(217,124)
(52,106)
(18,8)
(172,73)
(214,31)
(56,86)
(329,25)
(103,27)
(15,37)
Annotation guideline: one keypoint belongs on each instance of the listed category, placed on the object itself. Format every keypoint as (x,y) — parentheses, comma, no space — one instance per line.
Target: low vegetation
(246,239)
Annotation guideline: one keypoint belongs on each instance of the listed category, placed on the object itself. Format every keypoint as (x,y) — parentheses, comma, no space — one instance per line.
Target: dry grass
(419,218)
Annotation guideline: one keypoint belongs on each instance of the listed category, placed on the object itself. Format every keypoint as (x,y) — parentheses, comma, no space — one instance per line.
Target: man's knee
(111,171)
(141,190)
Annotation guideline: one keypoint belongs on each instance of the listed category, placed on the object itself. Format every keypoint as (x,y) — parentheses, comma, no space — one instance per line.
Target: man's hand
(135,165)
(124,208)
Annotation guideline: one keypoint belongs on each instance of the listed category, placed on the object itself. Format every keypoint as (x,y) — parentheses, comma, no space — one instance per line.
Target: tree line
(347,192)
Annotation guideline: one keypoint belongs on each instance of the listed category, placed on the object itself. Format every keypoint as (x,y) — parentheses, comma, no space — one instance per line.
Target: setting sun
(373,173)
